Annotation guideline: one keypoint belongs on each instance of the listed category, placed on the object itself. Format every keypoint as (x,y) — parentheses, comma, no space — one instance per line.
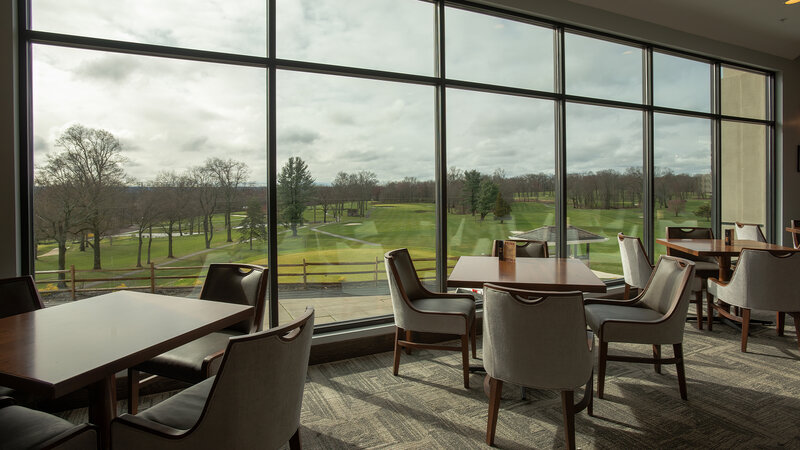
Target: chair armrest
(148,426)
(209,360)
(590,339)
(432,294)
(81,437)
(718,282)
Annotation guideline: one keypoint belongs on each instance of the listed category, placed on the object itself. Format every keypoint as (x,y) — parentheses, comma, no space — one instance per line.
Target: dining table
(718,249)
(539,274)
(83,344)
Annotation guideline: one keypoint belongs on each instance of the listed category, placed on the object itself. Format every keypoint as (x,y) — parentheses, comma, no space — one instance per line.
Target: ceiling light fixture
(792,2)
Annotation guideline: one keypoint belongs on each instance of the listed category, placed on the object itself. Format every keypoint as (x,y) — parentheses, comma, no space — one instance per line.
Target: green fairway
(357,244)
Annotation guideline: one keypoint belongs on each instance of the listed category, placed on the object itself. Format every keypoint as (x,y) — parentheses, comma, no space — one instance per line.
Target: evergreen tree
(472,187)
(486,197)
(295,190)
(501,207)
(254,225)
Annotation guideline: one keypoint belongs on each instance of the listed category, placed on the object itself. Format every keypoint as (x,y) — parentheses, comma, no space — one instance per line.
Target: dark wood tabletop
(540,274)
(718,249)
(57,350)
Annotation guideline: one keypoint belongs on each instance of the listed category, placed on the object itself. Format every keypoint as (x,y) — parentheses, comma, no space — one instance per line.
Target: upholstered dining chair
(765,280)
(749,232)
(537,340)
(418,309)
(526,248)
(254,400)
(656,317)
(705,266)
(636,267)
(22,429)
(795,223)
(242,284)
(18,295)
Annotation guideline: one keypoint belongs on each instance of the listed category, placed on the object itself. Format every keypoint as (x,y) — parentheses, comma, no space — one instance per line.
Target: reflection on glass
(604,184)
(216,25)
(179,187)
(743,93)
(744,173)
(489,49)
(501,161)
(395,35)
(602,69)
(682,183)
(681,83)
(355,180)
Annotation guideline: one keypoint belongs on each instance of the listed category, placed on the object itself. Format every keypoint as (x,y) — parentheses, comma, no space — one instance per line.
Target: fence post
(152,278)
(305,279)
(376,271)
(72,274)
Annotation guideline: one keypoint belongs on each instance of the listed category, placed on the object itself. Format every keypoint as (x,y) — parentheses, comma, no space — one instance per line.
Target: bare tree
(204,194)
(229,175)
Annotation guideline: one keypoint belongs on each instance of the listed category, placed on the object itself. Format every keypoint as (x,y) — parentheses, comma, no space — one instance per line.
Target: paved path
(360,241)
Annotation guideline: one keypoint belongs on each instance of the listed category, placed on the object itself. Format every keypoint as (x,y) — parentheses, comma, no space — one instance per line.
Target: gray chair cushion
(450,324)
(597,314)
(185,362)
(181,411)
(23,428)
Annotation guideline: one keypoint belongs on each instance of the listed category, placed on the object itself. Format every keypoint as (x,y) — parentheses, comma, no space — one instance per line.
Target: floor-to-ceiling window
(175,100)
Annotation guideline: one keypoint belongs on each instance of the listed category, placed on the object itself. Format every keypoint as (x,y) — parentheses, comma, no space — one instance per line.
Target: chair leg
(710,310)
(657,357)
(133,391)
(745,327)
(465,358)
(780,321)
(627,294)
(397,350)
(601,367)
(568,405)
(475,338)
(495,390)
(590,393)
(408,338)
(796,317)
(294,441)
(699,309)
(678,350)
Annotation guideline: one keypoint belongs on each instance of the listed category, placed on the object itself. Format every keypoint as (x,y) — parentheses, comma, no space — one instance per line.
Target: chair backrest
(795,223)
(257,395)
(535,339)
(242,284)
(404,284)
(689,233)
(749,232)
(526,248)
(636,267)
(765,279)
(668,292)
(18,295)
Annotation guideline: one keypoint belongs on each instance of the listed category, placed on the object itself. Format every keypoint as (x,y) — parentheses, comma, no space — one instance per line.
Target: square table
(58,350)
(539,274)
(718,249)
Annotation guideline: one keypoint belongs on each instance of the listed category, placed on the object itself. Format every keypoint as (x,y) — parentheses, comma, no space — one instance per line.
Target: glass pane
(743,93)
(182,187)
(215,25)
(604,184)
(492,50)
(500,155)
(681,83)
(602,69)
(682,179)
(744,173)
(394,35)
(355,180)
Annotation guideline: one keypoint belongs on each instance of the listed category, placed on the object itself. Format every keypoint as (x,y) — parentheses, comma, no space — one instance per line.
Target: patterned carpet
(736,400)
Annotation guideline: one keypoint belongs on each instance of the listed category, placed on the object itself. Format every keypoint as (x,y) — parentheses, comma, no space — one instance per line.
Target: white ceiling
(768,26)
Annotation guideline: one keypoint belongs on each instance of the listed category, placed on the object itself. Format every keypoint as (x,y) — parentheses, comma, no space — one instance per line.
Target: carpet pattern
(736,400)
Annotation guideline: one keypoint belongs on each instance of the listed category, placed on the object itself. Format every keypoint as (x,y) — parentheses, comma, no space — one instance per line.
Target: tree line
(83,195)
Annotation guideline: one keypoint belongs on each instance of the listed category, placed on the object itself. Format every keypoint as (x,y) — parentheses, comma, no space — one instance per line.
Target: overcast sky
(172,115)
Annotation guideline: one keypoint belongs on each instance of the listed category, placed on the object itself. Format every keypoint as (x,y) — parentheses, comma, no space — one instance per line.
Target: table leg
(724,268)
(103,407)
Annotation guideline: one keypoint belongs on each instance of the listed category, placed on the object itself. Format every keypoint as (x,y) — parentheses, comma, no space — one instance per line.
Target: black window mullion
(560,146)
(441,152)
(648,157)
(716,150)
(272,170)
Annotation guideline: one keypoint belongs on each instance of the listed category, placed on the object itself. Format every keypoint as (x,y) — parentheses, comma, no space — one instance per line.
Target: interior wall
(787,81)
(9,225)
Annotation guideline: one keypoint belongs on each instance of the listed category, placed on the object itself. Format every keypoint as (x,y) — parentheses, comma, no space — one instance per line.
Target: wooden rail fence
(152,277)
